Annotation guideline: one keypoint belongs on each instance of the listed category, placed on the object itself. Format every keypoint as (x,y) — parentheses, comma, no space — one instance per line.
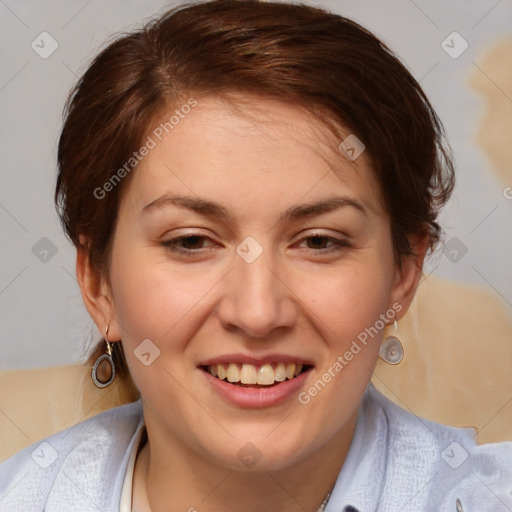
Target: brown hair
(303,55)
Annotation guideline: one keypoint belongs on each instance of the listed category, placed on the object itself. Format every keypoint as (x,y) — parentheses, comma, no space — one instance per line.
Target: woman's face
(240,250)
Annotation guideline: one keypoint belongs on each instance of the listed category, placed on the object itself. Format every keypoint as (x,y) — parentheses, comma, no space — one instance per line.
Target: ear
(408,275)
(96,294)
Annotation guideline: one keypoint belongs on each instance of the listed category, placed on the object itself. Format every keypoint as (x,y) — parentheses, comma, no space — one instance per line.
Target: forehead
(254,148)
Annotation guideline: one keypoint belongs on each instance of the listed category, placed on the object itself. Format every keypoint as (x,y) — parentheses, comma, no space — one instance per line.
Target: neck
(166,475)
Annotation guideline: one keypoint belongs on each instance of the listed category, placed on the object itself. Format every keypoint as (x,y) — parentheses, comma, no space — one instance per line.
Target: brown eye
(323,244)
(188,244)
(192,242)
(317,242)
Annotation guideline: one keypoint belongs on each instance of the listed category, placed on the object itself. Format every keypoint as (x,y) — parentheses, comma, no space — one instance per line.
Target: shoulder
(78,466)
(434,465)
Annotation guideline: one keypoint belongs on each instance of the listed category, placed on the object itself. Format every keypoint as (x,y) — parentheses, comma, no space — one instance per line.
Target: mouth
(256,376)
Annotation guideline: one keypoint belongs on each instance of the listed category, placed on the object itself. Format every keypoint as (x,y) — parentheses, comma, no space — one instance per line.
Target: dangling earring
(391,350)
(104,382)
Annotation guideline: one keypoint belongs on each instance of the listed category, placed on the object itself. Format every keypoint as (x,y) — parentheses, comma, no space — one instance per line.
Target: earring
(103,373)
(391,350)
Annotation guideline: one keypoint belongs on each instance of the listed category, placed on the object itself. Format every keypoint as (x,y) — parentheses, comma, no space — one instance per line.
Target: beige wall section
(42,401)
(494,133)
(457,368)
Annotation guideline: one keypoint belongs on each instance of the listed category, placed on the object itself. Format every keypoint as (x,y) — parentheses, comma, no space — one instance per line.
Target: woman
(252,189)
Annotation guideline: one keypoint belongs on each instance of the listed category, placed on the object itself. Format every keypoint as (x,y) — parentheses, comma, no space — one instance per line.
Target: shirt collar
(358,486)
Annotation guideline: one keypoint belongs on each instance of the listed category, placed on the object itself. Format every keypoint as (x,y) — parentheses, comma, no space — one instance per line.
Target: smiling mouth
(248,375)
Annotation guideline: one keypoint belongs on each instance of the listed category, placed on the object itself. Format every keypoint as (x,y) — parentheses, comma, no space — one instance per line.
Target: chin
(248,452)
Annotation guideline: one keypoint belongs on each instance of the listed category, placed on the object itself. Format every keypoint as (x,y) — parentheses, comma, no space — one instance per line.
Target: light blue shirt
(397,462)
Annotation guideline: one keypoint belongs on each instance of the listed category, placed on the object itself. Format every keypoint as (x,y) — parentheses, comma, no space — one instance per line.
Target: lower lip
(255,398)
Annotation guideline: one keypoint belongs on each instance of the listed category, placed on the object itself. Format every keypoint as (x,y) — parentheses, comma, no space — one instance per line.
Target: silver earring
(103,383)
(391,350)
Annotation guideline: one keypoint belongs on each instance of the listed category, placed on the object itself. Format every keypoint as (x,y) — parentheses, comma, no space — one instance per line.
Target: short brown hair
(303,55)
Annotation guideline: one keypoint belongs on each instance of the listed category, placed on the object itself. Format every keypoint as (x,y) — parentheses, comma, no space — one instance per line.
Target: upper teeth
(250,374)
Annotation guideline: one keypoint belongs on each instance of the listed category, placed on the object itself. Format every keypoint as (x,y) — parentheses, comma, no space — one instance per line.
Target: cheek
(156,301)
(153,302)
(347,300)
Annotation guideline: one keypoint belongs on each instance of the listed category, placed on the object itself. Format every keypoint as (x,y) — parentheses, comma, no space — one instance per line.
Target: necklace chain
(324,503)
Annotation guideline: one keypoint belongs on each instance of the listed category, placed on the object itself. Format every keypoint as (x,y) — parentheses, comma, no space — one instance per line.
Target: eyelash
(339,244)
(172,244)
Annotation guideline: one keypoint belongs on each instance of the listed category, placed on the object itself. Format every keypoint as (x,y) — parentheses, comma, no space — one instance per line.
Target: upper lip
(256,361)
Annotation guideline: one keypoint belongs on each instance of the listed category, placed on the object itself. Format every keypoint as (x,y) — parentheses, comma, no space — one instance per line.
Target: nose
(256,299)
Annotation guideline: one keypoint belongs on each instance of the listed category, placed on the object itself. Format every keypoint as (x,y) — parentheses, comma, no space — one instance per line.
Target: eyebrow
(213,209)
(323,206)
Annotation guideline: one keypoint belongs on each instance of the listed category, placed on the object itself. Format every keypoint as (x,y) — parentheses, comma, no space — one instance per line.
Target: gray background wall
(43,321)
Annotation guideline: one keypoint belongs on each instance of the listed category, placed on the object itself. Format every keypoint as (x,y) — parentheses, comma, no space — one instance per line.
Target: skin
(300,297)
